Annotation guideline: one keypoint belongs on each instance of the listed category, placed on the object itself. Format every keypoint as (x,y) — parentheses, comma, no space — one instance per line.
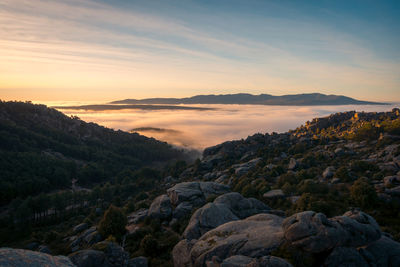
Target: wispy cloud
(83,44)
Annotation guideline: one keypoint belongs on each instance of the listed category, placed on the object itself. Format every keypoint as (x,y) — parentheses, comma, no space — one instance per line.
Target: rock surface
(254,236)
(196,193)
(22,258)
(277,193)
(313,232)
(225,208)
(160,208)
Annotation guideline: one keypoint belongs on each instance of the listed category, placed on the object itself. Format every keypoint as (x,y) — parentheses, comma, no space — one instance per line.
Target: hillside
(324,194)
(249,99)
(42,150)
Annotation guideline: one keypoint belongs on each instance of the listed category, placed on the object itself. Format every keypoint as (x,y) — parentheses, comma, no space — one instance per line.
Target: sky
(93,50)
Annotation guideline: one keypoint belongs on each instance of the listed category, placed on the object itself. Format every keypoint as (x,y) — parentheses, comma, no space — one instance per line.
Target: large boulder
(255,236)
(384,252)
(181,253)
(207,218)
(242,207)
(196,193)
(160,208)
(104,254)
(22,258)
(225,208)
(313,232)
(89,258)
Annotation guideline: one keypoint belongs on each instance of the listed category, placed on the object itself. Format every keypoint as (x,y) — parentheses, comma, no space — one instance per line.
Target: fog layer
(203,128)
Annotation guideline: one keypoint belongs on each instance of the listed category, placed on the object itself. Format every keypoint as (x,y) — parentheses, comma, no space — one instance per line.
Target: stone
(181,253)
(240,206)
(89,258)
(335,180)
(328,173)
(254,236)
(160,208)
(195,193)
(391,181)
(344,256)
(293,164)
(22,258)
(137,216)
(138,262)
(44,249)
(236,261)
(339,151)
(93,238)
(269,261)
(207,218)
(80,227)
(225,208)
(243,168)
(273,194)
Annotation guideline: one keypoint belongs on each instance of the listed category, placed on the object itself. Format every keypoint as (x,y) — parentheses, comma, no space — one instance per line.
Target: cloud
(98,50)
(200,129)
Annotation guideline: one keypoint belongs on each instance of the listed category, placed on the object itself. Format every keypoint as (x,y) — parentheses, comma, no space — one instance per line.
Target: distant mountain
(129,106)
(249,99)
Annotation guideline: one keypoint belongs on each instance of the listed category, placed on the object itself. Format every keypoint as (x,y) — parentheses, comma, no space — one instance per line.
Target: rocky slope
(325,194)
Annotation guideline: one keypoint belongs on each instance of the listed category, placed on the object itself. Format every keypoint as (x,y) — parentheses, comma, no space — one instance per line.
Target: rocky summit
(324,194)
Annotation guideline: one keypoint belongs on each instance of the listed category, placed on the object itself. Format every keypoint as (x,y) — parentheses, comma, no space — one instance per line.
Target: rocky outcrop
(353,239)
(225,208)
(86,238)
(253,237)
(313,232)
(196,193)
(22,258)
(243,168)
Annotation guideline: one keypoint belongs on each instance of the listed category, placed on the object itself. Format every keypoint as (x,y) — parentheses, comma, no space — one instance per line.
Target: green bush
(113,223)
(363,194)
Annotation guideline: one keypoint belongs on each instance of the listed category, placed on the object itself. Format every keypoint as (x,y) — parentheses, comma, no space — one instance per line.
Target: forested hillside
(41,149)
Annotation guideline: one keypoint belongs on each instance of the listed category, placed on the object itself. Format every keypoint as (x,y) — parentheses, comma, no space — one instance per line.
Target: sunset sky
(107,50)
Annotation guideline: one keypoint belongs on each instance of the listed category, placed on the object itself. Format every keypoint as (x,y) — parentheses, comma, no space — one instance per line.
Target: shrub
(363,194)
(113,223)
(149,245)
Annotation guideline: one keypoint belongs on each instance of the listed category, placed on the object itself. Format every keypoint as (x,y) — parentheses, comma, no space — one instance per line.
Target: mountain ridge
(309,99)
